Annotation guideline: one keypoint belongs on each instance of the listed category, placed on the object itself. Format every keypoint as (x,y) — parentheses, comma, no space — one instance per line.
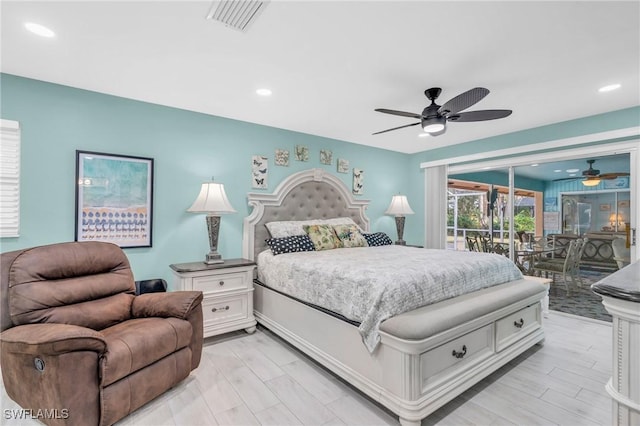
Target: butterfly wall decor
(259,170)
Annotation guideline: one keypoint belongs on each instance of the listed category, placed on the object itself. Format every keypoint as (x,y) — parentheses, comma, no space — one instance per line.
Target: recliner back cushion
(89,284)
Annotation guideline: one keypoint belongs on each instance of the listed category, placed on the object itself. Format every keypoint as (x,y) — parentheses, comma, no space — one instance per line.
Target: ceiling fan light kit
(591,182)
(434,124)
(434,117)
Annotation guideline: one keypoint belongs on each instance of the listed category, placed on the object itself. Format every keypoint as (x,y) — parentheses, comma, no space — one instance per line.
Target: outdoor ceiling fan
(592,177)
(434,117)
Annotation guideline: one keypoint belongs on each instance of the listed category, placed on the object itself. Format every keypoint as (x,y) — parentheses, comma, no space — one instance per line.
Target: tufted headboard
(310,194)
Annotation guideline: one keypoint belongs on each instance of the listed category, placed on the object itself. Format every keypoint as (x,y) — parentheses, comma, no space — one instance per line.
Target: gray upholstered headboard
(310,194)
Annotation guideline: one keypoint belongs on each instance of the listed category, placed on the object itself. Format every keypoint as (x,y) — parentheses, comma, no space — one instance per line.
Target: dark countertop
(623,284)
(201,266)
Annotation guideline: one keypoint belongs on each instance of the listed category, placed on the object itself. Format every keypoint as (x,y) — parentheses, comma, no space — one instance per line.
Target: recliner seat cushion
(137,343)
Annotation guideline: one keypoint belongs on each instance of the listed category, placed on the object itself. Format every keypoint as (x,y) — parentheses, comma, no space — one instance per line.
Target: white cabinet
(621,296)
(227,290)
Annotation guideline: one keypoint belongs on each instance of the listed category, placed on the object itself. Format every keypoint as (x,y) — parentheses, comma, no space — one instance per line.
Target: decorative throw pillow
(350,236)
(287,228)
(378,239)
(293,244)
(323,237)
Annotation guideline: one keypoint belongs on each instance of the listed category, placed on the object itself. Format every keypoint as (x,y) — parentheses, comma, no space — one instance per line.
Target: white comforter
(371,284)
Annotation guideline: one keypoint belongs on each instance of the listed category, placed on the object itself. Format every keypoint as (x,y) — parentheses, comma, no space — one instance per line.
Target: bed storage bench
(415,371)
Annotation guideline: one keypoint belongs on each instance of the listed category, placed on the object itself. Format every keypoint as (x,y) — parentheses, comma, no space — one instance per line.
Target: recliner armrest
(51,339)
(178,304)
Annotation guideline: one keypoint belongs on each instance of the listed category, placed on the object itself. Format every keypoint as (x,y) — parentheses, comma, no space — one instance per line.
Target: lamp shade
(212,199)
(399,206)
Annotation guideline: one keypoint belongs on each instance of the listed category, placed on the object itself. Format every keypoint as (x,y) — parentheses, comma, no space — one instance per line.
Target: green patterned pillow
(350,236)
(323,237)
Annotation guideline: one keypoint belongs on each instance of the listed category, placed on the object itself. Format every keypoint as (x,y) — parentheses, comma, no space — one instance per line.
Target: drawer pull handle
(518,324)
(221,283)
(460,354)
(226,308)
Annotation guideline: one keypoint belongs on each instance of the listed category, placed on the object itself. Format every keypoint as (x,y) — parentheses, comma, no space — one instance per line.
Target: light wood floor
(260,380)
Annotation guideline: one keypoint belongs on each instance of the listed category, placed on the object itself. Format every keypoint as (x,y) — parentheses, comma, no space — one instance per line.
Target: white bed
(426,356)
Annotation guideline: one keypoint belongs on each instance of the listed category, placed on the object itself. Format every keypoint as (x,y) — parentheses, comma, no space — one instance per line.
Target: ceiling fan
(592,177)
(434,117)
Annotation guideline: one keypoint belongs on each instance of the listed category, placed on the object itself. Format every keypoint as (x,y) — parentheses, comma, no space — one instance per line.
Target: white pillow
(289,228)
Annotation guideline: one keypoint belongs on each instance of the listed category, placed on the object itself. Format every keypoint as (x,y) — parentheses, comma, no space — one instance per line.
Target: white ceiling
(330,63)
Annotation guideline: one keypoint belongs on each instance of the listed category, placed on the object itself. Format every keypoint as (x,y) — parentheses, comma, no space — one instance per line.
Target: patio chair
(569,267)
(621,253)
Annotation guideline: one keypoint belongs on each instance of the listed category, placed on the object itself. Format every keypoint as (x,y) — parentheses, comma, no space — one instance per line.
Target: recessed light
(557,171)
(534,165)
(264,92)
(572,170)
(573,174)
(38,29)
(423,135)
(609,88)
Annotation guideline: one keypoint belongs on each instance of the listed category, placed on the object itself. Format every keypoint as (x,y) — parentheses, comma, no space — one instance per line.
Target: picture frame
(259,172)
(282,157)
(114,199)
(302,153)
(326,156)
(342,165)
(358,181)
(605,207)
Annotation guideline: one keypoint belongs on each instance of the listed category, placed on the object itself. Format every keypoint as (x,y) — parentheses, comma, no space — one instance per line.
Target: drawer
(218,310)
(517,325)
(221,282)
(449,359)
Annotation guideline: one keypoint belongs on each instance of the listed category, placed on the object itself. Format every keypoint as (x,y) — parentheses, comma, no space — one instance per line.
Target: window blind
(9,178)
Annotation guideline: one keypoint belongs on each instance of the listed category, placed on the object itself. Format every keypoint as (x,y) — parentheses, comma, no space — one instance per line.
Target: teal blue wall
(502,179)
(188,148)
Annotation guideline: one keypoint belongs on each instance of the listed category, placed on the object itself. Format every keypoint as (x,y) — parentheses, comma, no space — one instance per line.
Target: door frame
(564,149)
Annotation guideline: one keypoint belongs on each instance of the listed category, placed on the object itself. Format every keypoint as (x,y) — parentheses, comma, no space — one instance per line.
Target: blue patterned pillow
(291,244)
(378,239)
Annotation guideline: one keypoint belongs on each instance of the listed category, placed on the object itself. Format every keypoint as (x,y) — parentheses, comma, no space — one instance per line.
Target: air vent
(237,14)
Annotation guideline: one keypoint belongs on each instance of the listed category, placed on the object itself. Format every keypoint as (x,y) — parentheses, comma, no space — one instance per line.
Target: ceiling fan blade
(569,178)
(463,101)
(396,128)
(609,176)
(482,115)
(401,113)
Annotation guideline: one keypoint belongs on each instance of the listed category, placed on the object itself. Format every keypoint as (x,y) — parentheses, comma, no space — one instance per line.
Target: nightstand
(227,288)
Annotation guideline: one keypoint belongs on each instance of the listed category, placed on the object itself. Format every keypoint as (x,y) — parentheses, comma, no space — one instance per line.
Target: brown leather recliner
(77,342)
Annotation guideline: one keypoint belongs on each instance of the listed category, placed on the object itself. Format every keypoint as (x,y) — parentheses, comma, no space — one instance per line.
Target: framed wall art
(259,171)
(326,156)
(343,165)
(114,199)
(302,153)
(358,181)
(282,157)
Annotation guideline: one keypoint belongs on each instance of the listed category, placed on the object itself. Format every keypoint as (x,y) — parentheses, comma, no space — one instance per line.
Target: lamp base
(213,226)
(400,230)
(213,258)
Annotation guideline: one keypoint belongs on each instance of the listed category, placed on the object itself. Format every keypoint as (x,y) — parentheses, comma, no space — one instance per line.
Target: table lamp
(399,207)
(213,201)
